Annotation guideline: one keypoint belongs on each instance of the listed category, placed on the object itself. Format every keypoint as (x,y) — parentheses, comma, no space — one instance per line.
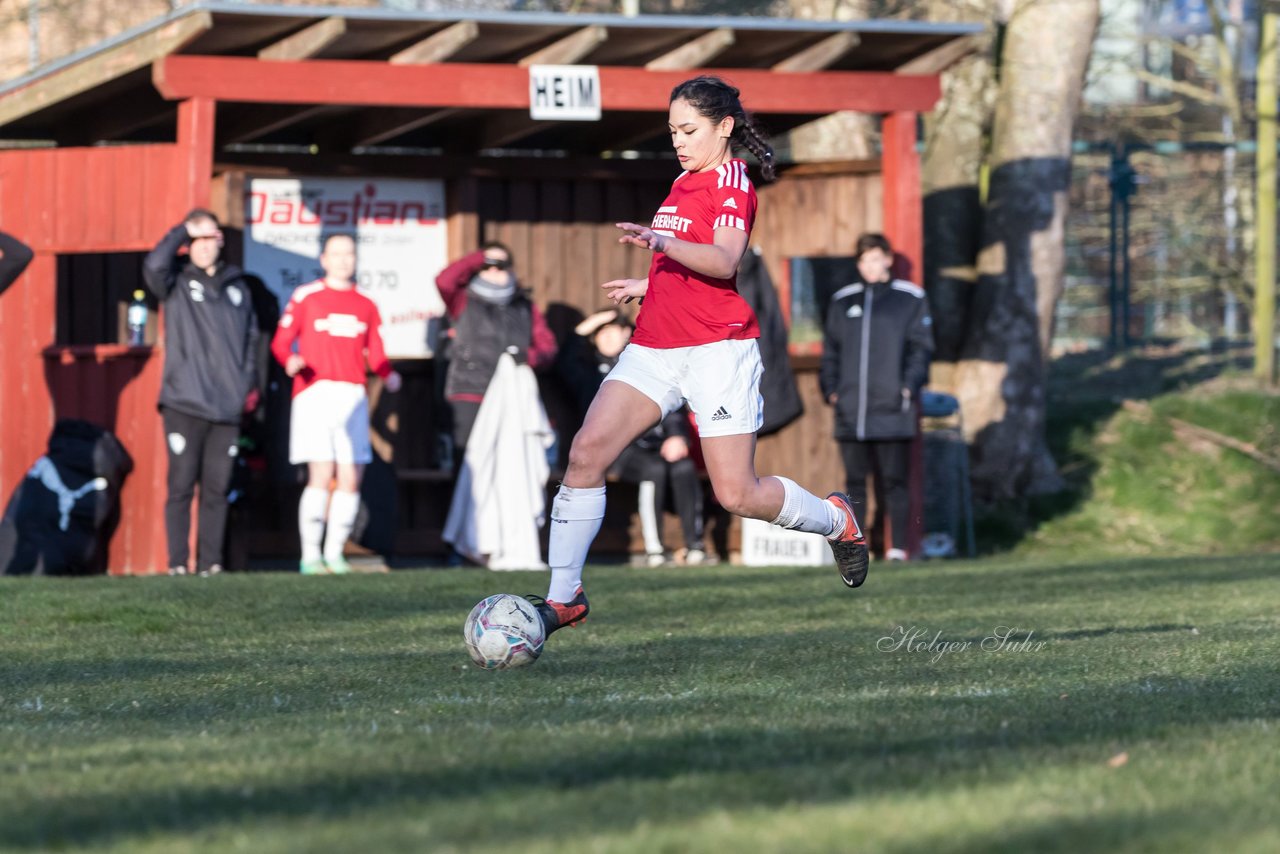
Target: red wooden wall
(79,200)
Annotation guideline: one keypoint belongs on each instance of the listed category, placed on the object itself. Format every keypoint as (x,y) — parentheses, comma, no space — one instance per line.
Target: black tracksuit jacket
(211,333)
(877,342)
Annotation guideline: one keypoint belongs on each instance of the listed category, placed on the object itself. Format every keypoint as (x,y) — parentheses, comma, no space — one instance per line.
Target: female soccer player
(336,331)
(695,341)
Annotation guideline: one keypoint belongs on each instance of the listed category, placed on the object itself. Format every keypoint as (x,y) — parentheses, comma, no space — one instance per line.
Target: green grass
(1152,489)
(708,709)
(1137,485)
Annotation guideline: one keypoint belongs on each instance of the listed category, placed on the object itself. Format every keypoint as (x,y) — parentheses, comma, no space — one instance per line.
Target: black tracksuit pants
(201,452)
(886,460)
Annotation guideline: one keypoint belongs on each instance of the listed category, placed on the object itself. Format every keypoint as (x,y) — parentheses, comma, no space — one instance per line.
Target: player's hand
(625,290)
(294,364)
(674,449)
(251,400)
(642,236)
(832,398)
(392,382)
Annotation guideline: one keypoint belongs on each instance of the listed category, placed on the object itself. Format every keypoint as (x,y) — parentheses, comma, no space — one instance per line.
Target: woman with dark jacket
(489,314)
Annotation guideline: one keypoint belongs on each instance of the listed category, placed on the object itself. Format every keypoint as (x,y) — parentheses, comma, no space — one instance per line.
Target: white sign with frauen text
(399,227)
(564,93)
(764,544)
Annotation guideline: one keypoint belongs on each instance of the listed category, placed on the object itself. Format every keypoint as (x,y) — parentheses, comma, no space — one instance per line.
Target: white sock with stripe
(576,515)
(804,511)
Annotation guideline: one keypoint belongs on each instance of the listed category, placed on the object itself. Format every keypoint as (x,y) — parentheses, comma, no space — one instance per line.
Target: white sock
(804,511)
(342,518)
(576,515)
(650,519)
(311,511)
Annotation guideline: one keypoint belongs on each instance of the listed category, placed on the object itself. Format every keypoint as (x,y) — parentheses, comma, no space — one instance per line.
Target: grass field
(1138,484)
(710,709)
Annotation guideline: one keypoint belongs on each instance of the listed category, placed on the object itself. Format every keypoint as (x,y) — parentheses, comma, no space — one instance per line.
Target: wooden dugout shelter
(105,150)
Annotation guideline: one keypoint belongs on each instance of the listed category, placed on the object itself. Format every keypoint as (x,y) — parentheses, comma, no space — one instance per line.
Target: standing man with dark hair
(210,372)
(14,258)
(875,359)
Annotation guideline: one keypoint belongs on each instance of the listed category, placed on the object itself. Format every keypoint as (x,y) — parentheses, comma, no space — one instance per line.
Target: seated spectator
(658,459)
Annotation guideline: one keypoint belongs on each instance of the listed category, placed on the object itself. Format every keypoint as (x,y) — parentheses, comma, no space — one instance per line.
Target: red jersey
(335,331)
(683,308)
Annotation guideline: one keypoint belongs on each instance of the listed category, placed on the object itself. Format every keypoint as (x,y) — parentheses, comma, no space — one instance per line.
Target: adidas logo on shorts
(721,415)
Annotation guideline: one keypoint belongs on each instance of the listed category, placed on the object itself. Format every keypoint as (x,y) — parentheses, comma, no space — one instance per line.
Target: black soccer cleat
(557,615)
(850,548)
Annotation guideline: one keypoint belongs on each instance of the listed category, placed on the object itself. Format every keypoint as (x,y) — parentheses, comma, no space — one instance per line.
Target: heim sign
(564,93)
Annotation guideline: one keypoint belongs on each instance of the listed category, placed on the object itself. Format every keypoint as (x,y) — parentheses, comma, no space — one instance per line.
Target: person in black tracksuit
(14,258)
(210,375)
(877,341)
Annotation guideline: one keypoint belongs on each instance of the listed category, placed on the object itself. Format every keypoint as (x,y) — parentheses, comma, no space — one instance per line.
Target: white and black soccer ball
(504,631)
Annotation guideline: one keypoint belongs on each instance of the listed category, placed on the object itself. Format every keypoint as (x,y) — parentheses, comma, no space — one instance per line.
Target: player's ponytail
(715,99)
(753,139)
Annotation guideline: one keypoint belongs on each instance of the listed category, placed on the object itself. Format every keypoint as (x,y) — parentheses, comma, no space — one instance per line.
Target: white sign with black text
(564,93)
(399,226)
(765,544)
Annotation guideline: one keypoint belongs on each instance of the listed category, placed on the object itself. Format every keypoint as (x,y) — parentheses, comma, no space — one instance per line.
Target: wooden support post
(195,138)
(904,226)
(900,177)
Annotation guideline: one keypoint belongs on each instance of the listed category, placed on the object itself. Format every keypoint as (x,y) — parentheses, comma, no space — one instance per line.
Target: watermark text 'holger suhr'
(1009,639)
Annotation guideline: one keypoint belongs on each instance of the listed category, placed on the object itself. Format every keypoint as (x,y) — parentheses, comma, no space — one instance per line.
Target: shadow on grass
(1155,830)
(883,743)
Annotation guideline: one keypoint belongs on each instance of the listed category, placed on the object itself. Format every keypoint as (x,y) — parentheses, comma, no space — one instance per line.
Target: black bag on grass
(60,518)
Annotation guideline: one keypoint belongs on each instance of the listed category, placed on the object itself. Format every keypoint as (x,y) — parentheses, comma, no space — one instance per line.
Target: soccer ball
(504,631)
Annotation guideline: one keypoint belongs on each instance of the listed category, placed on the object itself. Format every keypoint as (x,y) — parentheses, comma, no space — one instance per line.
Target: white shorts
(329,422)
(720,381)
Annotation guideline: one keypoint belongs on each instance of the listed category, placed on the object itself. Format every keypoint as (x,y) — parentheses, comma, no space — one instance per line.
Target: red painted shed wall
(73,200)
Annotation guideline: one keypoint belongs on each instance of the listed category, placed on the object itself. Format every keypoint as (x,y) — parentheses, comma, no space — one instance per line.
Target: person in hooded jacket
(209,379)
(877,341)
(489,314)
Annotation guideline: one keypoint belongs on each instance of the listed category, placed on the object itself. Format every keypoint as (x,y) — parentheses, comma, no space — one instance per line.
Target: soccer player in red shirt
(336,329)
(695,342)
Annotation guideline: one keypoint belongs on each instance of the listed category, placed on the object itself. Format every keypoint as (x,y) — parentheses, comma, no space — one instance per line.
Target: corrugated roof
(106,93)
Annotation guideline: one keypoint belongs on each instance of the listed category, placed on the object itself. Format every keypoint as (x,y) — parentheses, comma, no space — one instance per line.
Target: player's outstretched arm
(718,260)
(625,290)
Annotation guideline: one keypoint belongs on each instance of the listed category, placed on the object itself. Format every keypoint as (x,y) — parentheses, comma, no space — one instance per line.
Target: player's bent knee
(587,460)
(733,497)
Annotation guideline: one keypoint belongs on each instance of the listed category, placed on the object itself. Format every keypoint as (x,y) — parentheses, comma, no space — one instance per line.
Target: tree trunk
(950,170)
(1000,374)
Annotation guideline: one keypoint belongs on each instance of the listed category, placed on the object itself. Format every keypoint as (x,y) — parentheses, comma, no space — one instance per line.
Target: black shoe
(557,615)
(850,548)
